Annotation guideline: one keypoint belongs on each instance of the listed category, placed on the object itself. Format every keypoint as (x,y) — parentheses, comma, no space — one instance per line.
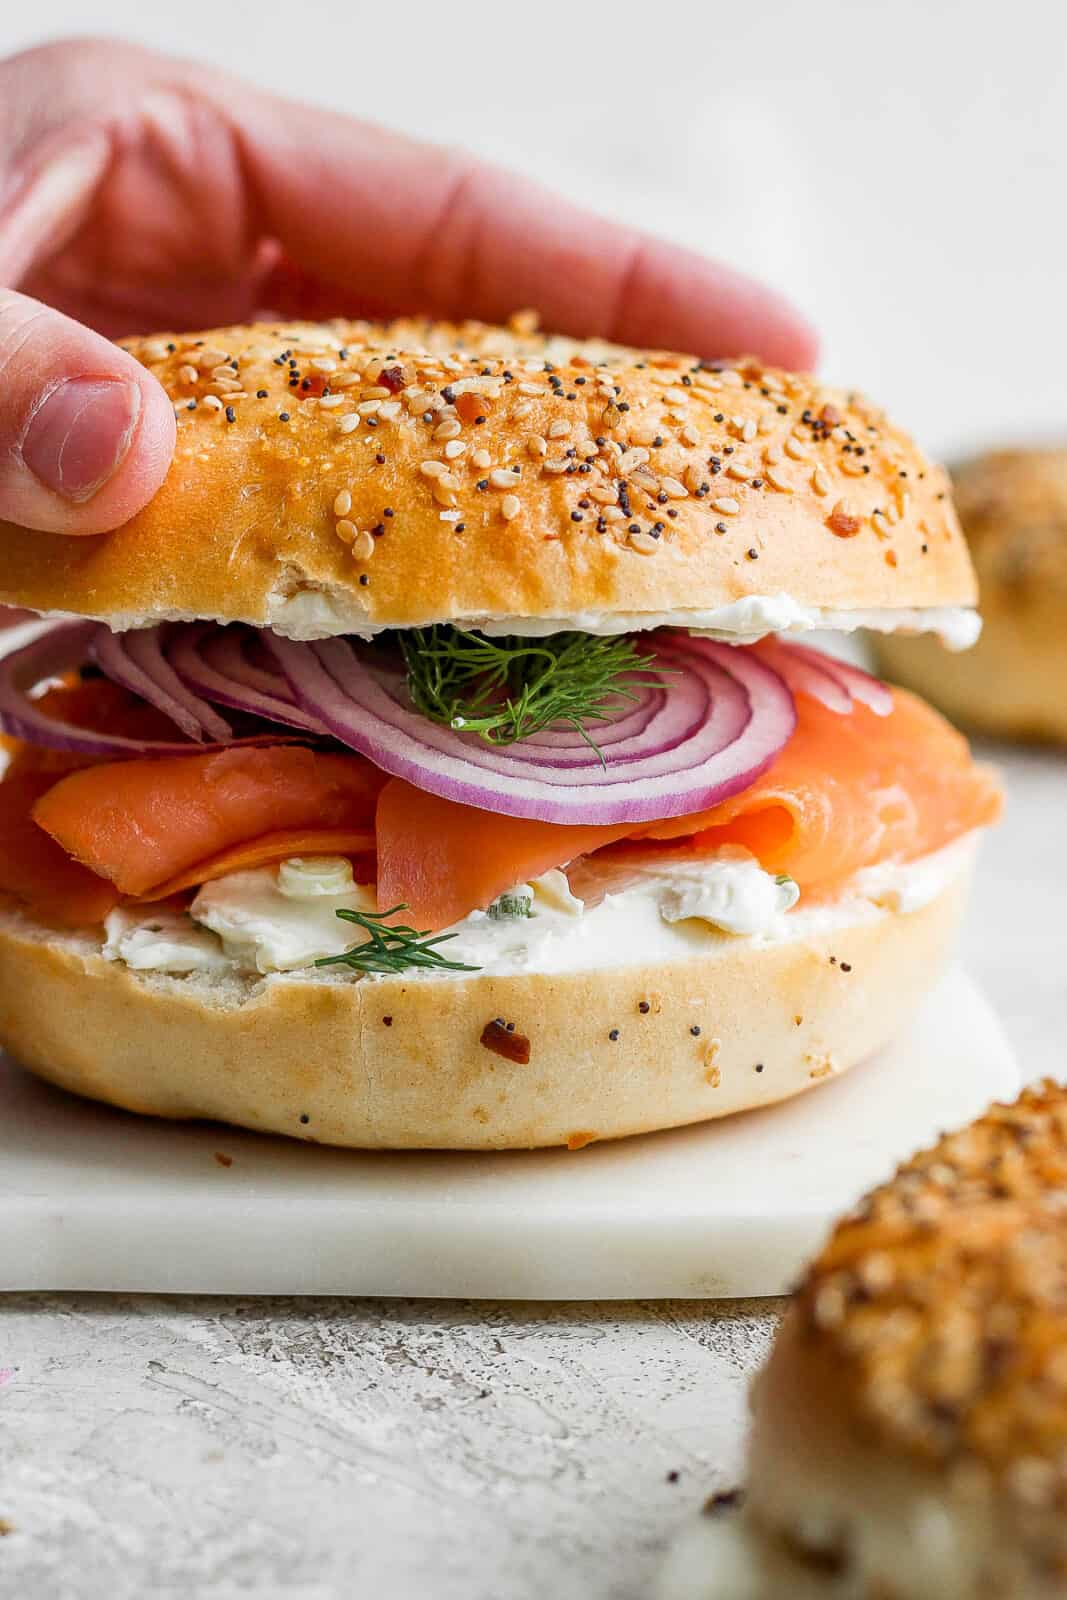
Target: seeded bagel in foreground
(332,478)
(282,845)
(910,1428)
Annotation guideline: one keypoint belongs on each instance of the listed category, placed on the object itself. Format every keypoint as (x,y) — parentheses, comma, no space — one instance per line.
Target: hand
(141,193)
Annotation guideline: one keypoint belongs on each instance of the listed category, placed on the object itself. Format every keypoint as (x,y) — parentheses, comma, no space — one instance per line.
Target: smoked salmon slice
(847,791)
(38,871)
(441,859)
(143,823)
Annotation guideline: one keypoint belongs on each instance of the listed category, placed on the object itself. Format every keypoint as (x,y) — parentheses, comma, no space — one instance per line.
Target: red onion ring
(62,649)
(835,684)
(135,660)
(724,719)
(213,662)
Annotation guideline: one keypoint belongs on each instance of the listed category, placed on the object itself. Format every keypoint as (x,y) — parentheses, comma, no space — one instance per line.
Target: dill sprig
(391,947)
(509,688)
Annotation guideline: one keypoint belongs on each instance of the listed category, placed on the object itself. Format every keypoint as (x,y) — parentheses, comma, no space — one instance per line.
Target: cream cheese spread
(317,615)
(283,919)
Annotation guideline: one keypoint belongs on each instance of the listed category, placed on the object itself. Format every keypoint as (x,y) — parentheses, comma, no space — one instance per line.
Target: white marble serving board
(92,1198)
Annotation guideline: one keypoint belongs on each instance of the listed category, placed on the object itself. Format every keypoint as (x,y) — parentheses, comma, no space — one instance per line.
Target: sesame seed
(362,546)
(554,467)
(536,445)
(433,469)
(676,490)
(345,530)
(455,448)
(779,481)
(388,411)
(820,481)
(689,435)
(323,364)
(726,505)
(213,401)
(348,424)
(510,507)
(444,491)
(451,428)
(342,504)
(501,478)
(481,459)
(188,374)
(559,429)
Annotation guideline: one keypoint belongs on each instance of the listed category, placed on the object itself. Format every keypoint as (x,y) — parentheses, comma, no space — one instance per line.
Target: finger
(86,434)
(412,225)
(390,221)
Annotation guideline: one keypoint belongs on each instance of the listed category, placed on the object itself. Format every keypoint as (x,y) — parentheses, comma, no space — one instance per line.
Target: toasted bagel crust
(398,1063)
(911,1426)
(1013,506)
(328,477)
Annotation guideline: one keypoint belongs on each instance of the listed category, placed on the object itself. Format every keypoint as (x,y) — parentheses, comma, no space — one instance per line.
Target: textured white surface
(90,1199)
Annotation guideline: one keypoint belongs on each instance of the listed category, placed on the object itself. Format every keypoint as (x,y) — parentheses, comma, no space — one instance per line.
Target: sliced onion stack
(67,647)
(135,660)
(699,727)
(58,650)
(699,735)
(835,684)
(216,663)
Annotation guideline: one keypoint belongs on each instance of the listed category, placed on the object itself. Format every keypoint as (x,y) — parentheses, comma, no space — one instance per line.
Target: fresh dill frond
(391,946)
(509,688)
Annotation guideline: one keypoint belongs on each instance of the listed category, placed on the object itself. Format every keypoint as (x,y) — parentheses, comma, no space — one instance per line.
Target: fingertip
(92,431)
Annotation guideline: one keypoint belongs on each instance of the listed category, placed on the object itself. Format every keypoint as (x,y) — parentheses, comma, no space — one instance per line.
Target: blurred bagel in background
(1013,507)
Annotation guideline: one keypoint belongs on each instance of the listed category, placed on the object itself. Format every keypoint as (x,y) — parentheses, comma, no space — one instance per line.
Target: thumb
(86,433)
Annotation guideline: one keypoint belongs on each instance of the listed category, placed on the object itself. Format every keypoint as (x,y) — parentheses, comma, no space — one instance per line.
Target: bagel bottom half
(400,1063)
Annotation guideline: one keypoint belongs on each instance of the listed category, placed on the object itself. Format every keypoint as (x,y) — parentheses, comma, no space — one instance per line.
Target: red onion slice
(135,659)
(213,662)
(835,684)
(62,649)
(722,722)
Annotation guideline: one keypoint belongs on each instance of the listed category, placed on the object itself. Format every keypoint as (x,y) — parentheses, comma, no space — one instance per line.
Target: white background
(900,169)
